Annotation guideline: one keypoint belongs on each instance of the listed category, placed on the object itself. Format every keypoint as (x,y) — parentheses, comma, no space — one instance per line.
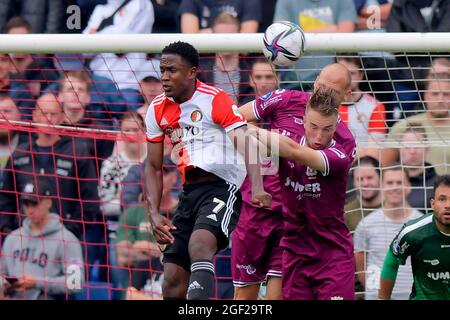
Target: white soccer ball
(284,43)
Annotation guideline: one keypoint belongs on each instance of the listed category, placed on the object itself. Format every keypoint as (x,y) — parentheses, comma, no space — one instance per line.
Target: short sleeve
(335,160)
(251,10)
(154,132)
(189,6)
(347,11)
(225,113)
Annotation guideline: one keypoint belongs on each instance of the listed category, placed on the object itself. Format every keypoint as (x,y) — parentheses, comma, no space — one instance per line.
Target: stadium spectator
(34,71)
(426,241)
(167,19)
(362,113)
(375,232)
(15,89)
(267,13)
(43,257)
(114,169)
(107,103)
(422,175)
(121,17)
(133,185)
(418,16)
(315,16)
(435,120)
(366,181)
(9,138)
(372,14)
(64,160)
(198,16)
(44,16)
(149,84)
(439,67)
(75,100)
(263,79)
(226,70)
(135,241)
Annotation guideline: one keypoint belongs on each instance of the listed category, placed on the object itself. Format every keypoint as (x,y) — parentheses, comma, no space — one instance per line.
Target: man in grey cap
(42,259)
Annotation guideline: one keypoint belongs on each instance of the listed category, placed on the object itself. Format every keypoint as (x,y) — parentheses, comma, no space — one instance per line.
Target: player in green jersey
(427,241)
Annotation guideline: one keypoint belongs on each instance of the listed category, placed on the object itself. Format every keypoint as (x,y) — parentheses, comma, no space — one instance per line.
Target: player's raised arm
(287,148)
(248,147)
(247,112)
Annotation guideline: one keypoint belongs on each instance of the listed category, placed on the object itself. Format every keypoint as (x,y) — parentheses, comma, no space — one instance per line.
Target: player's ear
(192,72)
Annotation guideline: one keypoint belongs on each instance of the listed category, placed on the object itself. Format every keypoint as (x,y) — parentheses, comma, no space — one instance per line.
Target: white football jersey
(198,131)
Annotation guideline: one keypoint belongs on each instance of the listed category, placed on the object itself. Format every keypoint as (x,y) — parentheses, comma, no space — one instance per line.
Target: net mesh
(92,153)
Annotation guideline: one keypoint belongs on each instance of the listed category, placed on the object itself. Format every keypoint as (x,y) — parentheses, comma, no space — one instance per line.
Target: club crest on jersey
(196,116)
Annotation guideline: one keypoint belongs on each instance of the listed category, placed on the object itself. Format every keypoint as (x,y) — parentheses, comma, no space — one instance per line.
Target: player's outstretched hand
(262,199)
(162,228)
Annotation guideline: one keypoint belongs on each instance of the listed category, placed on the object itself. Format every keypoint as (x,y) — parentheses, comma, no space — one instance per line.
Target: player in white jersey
(204,125)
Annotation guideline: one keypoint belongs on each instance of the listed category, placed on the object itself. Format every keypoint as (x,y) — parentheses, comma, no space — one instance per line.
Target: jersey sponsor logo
(196,116)
(439,275)
(248,268)
(176,135)
(433,262)
(306,190)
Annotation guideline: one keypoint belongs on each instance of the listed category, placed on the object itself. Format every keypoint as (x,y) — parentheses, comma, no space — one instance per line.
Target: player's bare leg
(249,292)
(274,286)
(202,248)
(175,282)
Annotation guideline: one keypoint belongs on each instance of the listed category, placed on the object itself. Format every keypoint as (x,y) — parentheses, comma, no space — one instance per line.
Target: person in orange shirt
(363,114)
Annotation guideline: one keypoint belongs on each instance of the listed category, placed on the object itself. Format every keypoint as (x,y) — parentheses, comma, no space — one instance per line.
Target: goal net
(72,130)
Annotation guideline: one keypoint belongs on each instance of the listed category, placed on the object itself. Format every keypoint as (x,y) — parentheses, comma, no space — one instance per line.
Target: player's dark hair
(325,101)
(185,50)
(368,160)
(396,166)
(441,180)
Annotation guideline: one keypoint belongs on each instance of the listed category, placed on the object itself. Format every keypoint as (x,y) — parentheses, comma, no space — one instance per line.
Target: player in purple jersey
(318,258)
(256,254)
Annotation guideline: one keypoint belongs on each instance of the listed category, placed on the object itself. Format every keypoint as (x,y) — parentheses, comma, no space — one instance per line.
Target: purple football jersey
(281,109)
(313,202)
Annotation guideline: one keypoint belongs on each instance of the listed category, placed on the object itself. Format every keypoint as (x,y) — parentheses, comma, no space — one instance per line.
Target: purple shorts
(306,278)
(255,246)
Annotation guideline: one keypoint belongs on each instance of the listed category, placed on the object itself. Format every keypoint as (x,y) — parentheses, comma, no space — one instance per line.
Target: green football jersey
(429,250)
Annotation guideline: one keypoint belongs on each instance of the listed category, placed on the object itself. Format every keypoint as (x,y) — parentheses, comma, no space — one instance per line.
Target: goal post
(395,70)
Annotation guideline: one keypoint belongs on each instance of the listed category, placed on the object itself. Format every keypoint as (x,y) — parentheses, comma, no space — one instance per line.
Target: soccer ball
(284,43)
